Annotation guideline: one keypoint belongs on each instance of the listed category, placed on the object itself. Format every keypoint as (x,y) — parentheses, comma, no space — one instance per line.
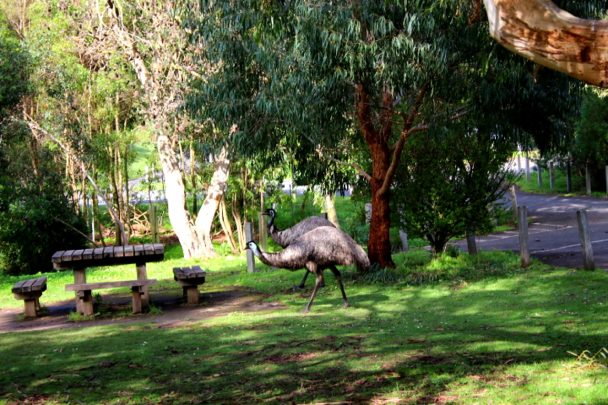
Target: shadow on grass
(413,343)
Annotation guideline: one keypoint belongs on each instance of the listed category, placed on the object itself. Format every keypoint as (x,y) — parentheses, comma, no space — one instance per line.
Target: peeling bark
(552,37)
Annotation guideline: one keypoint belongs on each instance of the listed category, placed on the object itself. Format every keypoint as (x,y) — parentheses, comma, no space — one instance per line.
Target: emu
(285,237)
(322,248)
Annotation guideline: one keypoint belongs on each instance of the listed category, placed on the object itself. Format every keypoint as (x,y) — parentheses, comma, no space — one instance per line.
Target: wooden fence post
(263,231)
(584,234)
(527,160)
(551,177)
(514,203)
(568,177)
(153,224)
(524,251)
(250,257)
(539,175)
(606,179)
(587,180)
(405,246)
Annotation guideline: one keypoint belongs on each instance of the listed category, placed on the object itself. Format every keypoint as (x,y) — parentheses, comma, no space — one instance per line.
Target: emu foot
(306,310)
(346,304)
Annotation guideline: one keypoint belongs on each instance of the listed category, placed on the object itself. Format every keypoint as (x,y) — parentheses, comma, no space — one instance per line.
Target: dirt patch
(173,312)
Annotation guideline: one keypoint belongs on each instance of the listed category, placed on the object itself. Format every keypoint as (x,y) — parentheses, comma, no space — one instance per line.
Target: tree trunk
(330,208)
(379,244)
(226,226)
(552,37)
(176,199)
(215,192)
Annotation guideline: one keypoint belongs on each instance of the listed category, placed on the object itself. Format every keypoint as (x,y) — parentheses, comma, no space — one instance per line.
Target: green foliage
(14,69)
(36,216)
(448,183)
(35,221)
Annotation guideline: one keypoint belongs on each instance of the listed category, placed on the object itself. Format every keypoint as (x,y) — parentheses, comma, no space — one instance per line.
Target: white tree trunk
(330,208)
(552,37)
(176,199)
(215,192)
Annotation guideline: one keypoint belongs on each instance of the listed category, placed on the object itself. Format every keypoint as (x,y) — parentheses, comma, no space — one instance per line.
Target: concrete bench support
(85,298)
(190,278)
(30,292)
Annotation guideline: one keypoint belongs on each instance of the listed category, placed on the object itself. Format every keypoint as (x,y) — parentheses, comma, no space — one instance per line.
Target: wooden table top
(109,255)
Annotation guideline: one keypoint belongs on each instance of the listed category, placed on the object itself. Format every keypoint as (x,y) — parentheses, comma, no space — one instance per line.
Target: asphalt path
(553,230)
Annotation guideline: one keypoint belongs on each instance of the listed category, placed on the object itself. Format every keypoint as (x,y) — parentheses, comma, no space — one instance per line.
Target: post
(527,160)
(587,180)
(568,177)
(405,246)
(524,252)
(551,177)
(539,175)
(142,274)
(606,170)
(583,232)
(250,258)
(263,231)
(153,223)
(368,213)
(514,203)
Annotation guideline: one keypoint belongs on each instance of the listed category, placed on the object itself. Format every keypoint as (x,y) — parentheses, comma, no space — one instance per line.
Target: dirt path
(174,312)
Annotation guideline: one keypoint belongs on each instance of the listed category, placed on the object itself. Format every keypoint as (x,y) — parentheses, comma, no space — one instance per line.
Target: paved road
(553,230)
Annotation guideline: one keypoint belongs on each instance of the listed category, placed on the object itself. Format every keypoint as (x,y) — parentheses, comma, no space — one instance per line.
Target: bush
(34,223)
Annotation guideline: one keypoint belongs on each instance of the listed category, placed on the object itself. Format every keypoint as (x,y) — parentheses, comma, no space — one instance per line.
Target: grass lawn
(451,330)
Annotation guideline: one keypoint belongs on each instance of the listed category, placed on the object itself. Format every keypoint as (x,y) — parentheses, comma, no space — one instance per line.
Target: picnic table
(80,259)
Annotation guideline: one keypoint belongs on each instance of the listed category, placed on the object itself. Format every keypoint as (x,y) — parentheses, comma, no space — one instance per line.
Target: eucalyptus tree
(311,74)
(150,37)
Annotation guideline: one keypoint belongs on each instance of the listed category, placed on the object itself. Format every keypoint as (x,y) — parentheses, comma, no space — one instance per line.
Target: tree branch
(35,127)
(547,35)
(408,122)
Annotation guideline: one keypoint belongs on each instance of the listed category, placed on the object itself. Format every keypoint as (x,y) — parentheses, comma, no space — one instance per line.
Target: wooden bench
(30,291)
(80,259)
(190,278)
(83,292)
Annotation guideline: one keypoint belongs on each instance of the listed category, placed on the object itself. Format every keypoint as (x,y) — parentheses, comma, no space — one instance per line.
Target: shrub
(34,223)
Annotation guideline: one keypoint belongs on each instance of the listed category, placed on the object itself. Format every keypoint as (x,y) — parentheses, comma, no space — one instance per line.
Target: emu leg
(338,276)
(318,283)
(303,282)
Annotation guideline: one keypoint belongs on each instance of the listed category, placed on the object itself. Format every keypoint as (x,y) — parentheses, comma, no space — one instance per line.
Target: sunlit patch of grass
(503,338)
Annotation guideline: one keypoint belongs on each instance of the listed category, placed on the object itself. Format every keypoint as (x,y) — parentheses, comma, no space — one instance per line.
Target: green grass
(455,329)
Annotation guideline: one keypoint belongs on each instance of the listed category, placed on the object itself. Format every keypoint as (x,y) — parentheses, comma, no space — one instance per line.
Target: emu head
(251,245)
(272,214)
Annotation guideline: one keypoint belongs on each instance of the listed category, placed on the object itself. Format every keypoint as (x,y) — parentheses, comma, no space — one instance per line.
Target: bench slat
(98,253)
(57,256)
(109,284)
(128,250)
(138,250)
(67,256)
(87,254)
(30,285)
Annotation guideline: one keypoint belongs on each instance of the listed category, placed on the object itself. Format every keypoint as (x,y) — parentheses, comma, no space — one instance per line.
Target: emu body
(322,248)
(285,237)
